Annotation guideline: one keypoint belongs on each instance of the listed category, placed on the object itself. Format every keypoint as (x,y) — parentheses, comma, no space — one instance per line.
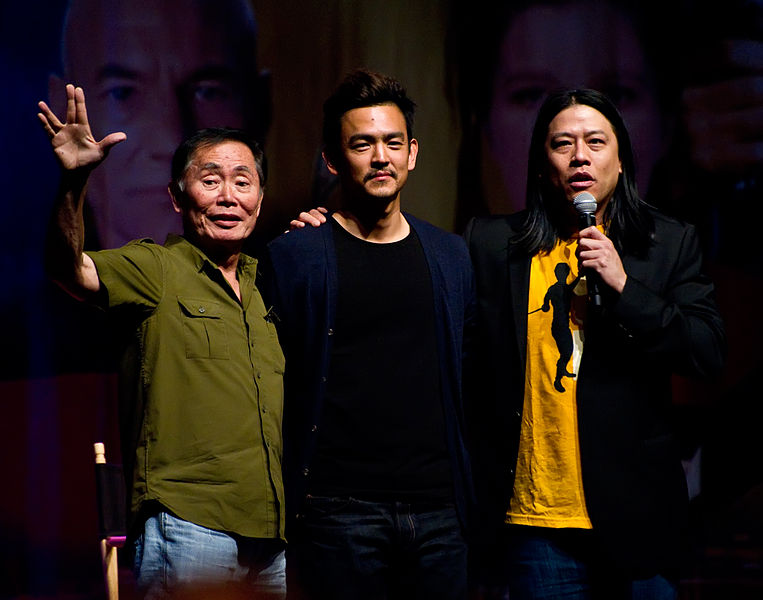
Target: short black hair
(212,136)
(359,89)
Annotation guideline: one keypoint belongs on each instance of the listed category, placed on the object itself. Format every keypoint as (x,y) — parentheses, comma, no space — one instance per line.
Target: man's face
(376,154)
(158,72)
(222,196)
(549,47)
(582,153)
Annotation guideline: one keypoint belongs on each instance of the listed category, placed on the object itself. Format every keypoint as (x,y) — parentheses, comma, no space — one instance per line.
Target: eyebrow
(213,166)
(586,133)
(115,70)
(212,72)
(370,136)
(110,70)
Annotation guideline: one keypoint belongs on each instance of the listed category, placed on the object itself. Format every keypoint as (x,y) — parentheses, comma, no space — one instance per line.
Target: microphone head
(584,203)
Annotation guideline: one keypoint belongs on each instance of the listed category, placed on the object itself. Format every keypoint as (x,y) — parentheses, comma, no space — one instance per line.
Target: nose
(580,155)
(379,156)
(227,196)
(163,123)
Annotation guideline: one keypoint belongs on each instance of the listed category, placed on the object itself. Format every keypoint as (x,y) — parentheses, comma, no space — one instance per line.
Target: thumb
(112,140)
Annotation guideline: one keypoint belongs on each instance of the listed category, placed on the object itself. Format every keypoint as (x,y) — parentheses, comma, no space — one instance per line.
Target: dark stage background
(688,79)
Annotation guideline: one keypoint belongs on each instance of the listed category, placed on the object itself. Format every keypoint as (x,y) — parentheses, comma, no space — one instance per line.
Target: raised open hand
(72,141)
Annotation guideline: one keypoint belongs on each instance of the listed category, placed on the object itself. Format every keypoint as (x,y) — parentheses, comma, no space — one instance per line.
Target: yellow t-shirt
(548,487)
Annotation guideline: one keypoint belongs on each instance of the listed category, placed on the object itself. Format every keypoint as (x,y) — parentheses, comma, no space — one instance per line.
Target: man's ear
(329,163)
(413,152)
(259,204)
(177,195)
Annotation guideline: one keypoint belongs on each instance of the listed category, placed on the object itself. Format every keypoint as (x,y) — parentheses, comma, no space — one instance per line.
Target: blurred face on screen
(157,71)
(580,44)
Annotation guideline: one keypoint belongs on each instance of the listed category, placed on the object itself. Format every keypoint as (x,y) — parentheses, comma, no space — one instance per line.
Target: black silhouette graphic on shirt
(559,296)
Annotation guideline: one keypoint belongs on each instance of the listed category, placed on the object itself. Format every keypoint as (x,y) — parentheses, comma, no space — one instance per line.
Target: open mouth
(581,180)
(225,220)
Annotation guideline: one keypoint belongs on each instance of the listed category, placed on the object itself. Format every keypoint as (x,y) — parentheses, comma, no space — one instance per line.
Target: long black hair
(627,219)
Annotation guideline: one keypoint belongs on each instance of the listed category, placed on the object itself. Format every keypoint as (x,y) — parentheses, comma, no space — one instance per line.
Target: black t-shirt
(382,434)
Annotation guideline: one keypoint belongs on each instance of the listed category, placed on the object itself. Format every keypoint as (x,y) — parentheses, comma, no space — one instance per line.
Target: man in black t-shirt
(372,310)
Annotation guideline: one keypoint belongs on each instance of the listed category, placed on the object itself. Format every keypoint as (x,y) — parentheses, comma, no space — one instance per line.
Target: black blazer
(664,322)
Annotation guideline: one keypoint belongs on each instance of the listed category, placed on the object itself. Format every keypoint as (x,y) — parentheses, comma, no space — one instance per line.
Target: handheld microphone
(585,204)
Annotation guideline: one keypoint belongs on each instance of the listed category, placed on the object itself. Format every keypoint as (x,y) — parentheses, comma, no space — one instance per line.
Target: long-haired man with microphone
(579,460)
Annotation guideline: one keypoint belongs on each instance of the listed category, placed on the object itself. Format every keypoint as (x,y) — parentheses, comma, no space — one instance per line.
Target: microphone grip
(592,277)
(587,219)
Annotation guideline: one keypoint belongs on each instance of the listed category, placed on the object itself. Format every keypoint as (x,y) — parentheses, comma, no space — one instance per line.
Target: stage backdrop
(686,80)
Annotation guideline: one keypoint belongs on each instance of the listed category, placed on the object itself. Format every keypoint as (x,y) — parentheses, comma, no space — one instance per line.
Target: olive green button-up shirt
(205,386)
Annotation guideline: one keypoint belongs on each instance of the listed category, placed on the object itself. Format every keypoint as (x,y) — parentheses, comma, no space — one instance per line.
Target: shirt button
(331,332)
(202,310)
(314,428)
(259,374)
(323,379)
(305,471)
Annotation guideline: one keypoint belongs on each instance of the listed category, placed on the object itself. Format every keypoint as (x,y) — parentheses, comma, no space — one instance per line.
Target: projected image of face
(157,71)
(575,44)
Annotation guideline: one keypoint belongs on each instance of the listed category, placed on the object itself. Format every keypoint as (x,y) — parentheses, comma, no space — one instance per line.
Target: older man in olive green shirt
(205,375)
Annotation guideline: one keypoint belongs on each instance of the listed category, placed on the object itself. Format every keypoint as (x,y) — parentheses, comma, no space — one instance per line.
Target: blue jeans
(565,563)
(350,549)
(172,554)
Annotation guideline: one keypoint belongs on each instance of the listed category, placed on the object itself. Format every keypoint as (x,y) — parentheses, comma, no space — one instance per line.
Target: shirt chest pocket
(204,333)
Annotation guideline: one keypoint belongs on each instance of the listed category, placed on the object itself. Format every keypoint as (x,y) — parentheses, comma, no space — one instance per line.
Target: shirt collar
(246,264)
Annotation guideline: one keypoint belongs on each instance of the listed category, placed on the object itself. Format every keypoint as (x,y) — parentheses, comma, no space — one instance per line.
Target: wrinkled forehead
(184,34)
(227,155)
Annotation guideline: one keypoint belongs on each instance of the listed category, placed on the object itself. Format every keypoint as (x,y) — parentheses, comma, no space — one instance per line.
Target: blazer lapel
(519,286)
